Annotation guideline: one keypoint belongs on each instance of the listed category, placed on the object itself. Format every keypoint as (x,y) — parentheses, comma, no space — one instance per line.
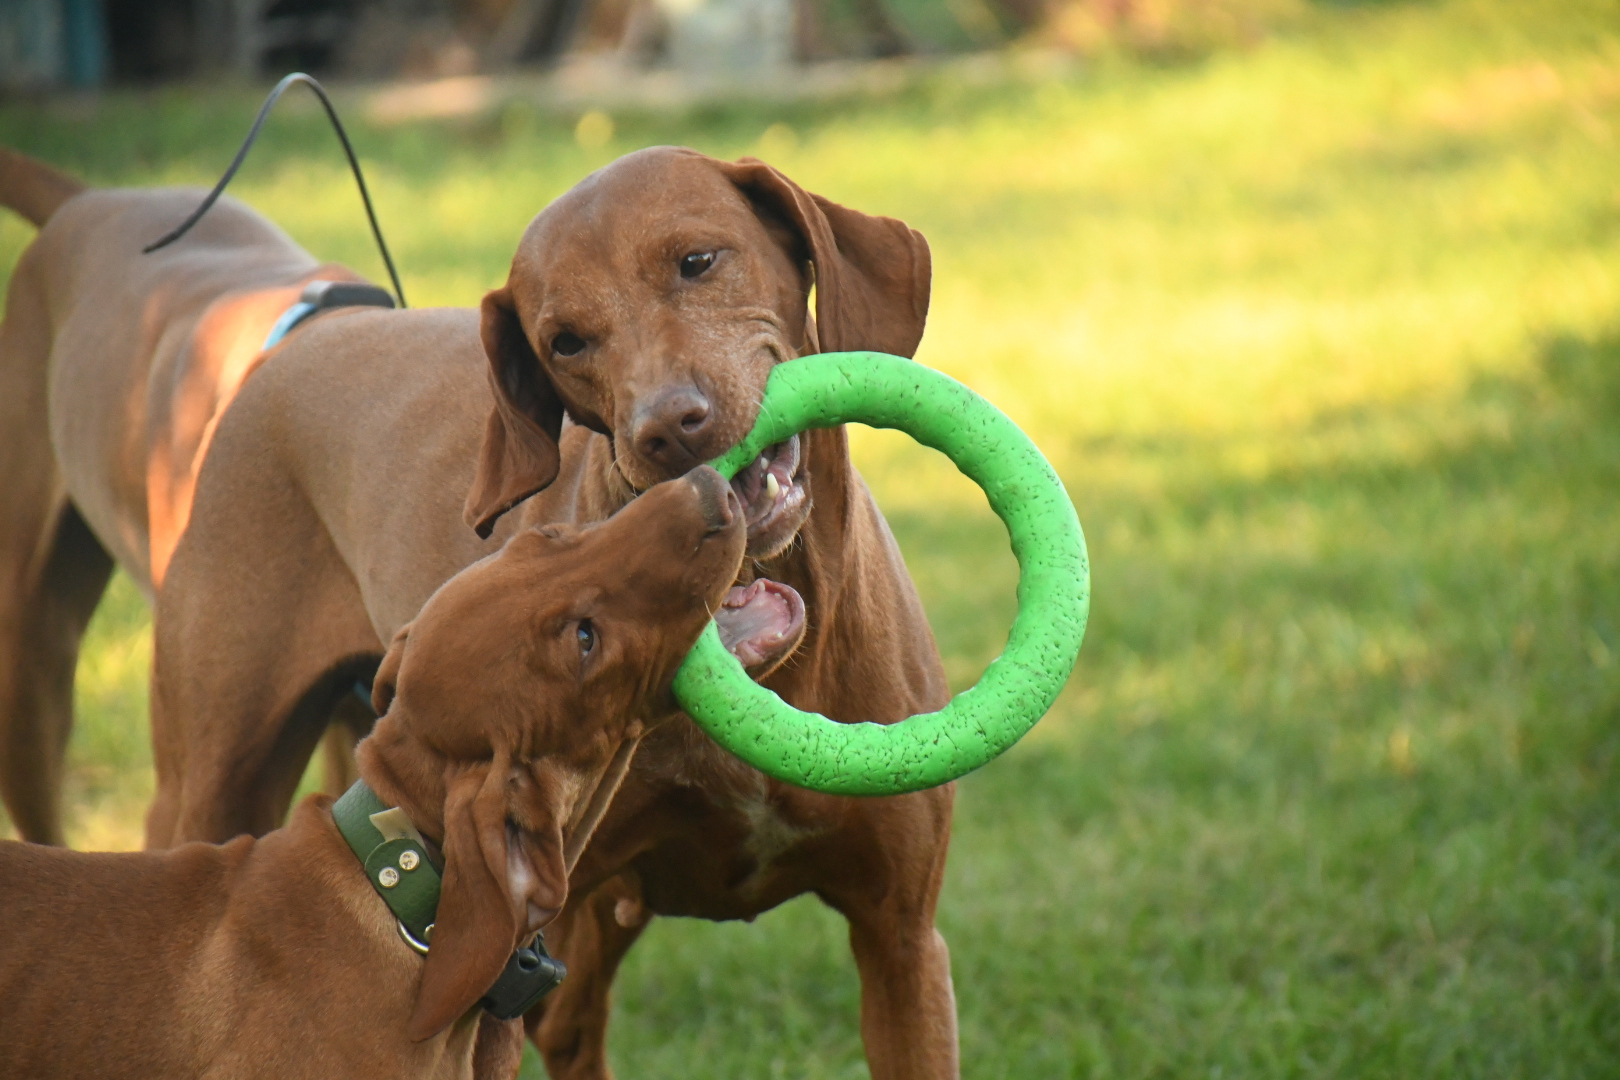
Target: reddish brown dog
(523,689)
(644,310)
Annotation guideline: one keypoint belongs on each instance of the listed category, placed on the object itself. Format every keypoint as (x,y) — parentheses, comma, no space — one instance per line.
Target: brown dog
(644,311)
(523,688)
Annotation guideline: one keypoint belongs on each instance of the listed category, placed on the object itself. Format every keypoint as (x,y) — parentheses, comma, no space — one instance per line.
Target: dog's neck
(406,775)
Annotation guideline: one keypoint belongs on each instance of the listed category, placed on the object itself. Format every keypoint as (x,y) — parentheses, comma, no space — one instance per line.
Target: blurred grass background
(1323,332)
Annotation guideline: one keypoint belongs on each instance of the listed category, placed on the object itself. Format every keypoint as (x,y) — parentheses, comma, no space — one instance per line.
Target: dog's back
(80,924)
(114,367)
(267,958)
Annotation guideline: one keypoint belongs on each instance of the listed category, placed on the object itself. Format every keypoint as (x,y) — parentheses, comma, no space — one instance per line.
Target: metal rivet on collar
(388,877)
(408,860)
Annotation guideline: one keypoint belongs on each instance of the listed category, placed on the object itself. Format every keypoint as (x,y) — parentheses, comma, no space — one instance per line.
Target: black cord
(241,155)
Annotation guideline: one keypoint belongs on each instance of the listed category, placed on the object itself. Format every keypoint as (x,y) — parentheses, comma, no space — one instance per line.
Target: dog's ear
(519,456)
(872,273)
(491,874)
(387,677)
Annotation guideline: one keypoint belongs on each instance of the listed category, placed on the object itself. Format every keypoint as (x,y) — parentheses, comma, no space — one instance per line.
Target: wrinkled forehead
(641,207)
(543,575)
(478,614)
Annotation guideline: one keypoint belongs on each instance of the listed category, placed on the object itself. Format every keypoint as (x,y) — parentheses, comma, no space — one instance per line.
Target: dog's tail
(33,188)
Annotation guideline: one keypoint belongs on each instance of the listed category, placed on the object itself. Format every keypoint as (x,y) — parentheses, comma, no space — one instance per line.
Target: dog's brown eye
(587,637)
(695,263)
(566,344)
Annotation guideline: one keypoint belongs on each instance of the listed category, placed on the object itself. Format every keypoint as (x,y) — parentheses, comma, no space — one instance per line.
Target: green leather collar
(396,860)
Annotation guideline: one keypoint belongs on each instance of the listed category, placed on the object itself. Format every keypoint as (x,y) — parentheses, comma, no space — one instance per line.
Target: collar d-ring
(405,933)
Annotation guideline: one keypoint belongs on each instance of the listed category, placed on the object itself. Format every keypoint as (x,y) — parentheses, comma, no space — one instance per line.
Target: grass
(1324,337)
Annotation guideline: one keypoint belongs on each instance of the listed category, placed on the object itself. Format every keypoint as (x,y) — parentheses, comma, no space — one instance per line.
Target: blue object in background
(84,44)
(52,43)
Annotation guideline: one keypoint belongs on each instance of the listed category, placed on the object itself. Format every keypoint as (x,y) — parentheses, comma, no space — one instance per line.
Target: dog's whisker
(615,466)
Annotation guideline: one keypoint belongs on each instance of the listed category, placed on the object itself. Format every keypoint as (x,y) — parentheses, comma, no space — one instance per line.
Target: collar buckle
(395,859)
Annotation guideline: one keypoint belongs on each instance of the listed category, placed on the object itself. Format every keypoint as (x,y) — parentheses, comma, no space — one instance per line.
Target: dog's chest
(771,833)
(768,825)
(732,839)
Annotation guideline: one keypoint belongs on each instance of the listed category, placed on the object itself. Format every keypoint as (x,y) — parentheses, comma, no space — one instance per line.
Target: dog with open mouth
(289,510)
(512,706)
(642,315)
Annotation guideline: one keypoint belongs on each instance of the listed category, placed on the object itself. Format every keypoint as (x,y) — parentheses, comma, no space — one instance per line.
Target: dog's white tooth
(763,463)
(772,488)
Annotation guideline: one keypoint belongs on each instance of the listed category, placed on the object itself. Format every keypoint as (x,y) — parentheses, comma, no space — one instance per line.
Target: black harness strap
(241,156)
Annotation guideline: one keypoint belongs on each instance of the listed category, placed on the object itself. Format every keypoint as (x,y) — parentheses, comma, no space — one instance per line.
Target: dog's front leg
(908,1009)
(889,886)
(592,936)
(498,1049)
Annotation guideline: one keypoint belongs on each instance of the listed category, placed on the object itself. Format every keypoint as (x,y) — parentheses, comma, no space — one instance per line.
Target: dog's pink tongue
(761,623)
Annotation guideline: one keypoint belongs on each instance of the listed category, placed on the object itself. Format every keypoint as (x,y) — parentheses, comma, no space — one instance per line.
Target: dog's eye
(695,263)
(566,344)
(587,637)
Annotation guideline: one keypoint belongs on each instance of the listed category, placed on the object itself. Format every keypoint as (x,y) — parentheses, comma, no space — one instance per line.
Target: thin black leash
(241,155)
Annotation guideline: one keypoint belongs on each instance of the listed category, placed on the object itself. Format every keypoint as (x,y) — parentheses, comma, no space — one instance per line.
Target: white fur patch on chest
(770,834)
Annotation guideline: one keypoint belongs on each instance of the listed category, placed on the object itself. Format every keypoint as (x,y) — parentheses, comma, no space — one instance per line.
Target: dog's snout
(716,501)
(695,417)
(670,429)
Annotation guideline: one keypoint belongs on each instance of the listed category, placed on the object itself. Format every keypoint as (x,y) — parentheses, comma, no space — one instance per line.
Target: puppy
(513,704)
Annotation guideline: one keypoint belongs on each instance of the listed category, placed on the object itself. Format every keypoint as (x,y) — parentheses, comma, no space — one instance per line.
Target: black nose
(717,502)
(670,429)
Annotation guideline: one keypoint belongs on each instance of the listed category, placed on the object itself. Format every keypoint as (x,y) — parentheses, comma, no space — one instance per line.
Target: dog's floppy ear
(519,456)
(387,677)
(491,874)
(872,273)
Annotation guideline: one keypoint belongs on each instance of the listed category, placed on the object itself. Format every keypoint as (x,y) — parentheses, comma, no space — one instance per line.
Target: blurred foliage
(1159,29)
(1324,336)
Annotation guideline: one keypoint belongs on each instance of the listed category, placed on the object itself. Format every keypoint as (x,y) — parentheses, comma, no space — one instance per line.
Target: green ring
(1054,590)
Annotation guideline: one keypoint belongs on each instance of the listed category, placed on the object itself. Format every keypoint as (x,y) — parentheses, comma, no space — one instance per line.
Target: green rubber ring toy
(1054,590)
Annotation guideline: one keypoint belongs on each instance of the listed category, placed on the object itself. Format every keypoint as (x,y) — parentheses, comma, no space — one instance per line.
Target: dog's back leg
(39,651)
(52,573)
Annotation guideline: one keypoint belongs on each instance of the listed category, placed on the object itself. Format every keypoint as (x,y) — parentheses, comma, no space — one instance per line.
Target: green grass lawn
(1324,337)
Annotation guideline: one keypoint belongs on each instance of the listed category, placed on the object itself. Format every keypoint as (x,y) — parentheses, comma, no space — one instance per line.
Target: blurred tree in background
(53,44)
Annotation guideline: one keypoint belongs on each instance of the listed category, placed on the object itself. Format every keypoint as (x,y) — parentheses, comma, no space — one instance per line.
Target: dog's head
(513,702)
(651,303)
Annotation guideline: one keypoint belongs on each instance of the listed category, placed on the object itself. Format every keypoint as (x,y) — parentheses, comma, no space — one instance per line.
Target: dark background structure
(82,44)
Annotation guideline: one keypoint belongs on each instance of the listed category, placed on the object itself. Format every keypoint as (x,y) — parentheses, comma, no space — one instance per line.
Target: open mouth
(772,494)
(761,623)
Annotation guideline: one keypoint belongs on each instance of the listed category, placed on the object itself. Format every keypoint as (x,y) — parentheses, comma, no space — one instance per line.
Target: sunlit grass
(110,761)
(1324,338)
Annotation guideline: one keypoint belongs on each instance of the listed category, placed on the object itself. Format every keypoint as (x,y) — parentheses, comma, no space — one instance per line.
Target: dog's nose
(670,428)
(716,501)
